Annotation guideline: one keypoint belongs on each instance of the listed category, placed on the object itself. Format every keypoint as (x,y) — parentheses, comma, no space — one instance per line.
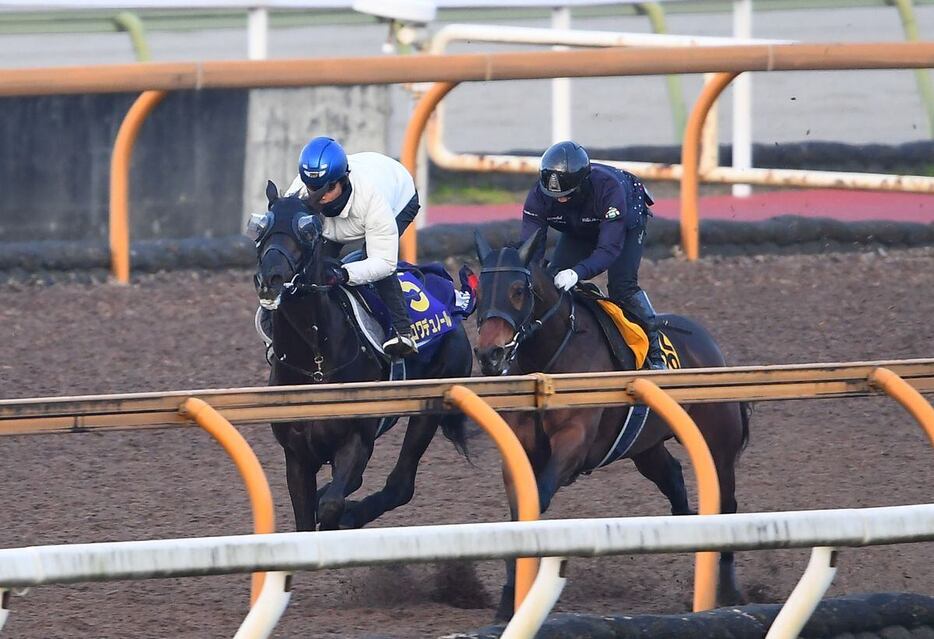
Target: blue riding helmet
(322,163)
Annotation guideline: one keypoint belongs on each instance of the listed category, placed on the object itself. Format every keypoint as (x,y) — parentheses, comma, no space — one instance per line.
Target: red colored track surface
(851,206)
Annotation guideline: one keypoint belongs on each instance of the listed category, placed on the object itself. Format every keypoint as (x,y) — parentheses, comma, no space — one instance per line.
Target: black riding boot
(403,343)
(639,306)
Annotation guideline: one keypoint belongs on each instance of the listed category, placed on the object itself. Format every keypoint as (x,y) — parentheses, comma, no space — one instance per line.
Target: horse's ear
(529,247)
(272,192)
(483,247)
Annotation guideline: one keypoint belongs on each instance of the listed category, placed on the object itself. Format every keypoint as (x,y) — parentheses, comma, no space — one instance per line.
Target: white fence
(286,552)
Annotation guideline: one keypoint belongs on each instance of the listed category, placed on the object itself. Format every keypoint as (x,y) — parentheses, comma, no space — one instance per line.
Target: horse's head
(286,237)
(506,301)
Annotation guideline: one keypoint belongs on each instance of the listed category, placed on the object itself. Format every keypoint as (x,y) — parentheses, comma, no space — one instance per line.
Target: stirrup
(400,346)
(656,363)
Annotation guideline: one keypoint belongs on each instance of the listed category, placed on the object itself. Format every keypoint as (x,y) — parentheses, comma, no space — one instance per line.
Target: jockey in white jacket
(364,196)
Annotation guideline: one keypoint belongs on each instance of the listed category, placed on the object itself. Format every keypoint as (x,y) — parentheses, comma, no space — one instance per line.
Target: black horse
(313,341)
(526,325)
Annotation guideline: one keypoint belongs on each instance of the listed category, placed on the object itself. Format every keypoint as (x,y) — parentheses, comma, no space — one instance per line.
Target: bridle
(528,327)
(298,286)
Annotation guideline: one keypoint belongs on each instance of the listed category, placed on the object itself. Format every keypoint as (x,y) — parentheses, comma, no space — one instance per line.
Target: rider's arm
(381,236)
(609,245)
(533,219)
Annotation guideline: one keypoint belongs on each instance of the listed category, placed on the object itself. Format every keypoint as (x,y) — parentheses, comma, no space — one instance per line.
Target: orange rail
(517,465)
(158,77)
(690,150)
(708,488)
(902,392)
(264,519)
(120,182)
(408,244)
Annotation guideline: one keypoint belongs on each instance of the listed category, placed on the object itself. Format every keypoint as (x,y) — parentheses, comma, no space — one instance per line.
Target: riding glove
(335,274)
(566,279)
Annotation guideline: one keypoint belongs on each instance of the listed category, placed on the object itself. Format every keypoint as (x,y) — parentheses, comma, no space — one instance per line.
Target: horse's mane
(542,282)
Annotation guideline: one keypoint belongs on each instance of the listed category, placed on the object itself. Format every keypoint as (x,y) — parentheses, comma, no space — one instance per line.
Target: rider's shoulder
(374,163)
(536,202)
(607,181)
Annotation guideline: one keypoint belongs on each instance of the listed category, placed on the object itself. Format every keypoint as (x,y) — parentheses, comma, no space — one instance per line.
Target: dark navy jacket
(617,202)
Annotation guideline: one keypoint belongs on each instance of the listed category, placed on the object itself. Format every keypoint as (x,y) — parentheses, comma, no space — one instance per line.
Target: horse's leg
(400,485)
(507,598)
(723,428)
(347,466)
(659,466)
(301,477)
(564,457)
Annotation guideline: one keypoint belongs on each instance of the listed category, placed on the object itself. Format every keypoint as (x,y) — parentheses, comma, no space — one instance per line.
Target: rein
(529,327)
(320,375)
(296,286)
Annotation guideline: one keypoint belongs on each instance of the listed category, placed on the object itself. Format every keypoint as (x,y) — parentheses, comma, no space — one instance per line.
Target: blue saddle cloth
(432,302)
(435,308)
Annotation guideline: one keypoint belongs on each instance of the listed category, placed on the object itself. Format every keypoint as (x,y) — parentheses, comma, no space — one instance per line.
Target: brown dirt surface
(184,330)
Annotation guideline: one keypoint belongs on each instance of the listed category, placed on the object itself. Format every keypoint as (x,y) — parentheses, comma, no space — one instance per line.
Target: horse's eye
(517,295)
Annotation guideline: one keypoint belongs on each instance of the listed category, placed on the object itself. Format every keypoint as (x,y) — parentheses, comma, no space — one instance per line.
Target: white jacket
(381,187)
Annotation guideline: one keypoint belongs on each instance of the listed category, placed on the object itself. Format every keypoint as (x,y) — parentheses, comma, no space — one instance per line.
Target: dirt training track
(194,330)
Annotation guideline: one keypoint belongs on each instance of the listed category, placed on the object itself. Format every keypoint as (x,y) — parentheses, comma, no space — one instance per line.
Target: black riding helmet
(564,168)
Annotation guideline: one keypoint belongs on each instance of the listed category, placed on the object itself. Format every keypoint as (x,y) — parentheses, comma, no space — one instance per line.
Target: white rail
(111,561)
(286,552)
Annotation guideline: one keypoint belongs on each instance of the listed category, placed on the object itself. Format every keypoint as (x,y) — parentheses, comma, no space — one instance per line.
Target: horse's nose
(491,359)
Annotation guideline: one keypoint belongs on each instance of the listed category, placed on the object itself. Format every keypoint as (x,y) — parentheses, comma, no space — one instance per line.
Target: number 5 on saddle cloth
(435,306)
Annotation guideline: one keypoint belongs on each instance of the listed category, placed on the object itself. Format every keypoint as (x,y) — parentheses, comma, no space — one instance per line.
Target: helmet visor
(314,196)
(565,193)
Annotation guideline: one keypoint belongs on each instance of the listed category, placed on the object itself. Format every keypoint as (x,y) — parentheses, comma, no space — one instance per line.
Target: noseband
(528,327)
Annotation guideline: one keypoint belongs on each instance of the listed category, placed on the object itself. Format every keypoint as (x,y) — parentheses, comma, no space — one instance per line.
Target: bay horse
(314,341)
(526,325)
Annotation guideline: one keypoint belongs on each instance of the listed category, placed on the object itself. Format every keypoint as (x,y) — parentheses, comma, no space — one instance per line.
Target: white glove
(566,279)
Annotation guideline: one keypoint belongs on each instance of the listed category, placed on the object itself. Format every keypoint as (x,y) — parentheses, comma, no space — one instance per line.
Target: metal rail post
(656,15)
(690,149)
(120,182)
(264,519)
(807,594)
(922,76)
(408,243)
(133,25)
(518,466)
(708,487)
(910,399)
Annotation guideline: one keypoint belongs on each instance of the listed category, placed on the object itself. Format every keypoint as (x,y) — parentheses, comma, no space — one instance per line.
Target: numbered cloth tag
(672,360)
(430,318)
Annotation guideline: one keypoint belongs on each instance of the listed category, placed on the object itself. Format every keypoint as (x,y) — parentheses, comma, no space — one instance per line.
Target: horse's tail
(745,411)
(454,429)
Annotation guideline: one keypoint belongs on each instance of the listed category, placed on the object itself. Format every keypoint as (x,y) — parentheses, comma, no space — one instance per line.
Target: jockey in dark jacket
(601,214)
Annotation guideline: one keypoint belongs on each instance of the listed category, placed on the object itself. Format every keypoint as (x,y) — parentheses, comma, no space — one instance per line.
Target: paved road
(842,106)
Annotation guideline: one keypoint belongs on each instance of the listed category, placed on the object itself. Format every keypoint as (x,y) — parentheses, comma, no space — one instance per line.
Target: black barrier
(781,235)
(882,615)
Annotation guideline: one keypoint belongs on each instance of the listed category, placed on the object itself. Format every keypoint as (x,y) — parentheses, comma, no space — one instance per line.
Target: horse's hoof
(731,597)
(348,518)
(502,617)
(329,514)
(505,609)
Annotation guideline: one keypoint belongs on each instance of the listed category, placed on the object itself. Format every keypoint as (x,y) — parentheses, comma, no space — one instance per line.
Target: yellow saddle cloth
(633,334)
(635,337)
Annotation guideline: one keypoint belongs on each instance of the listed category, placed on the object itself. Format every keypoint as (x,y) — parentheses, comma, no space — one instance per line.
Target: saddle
(435,306)
(628,341)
